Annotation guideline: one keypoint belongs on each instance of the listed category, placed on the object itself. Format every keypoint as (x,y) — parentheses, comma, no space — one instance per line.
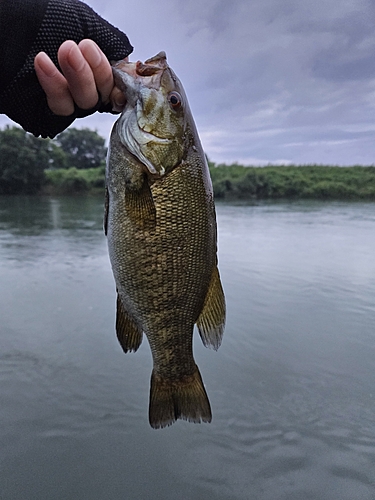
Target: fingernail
(75,59)
(45,64)
(91,52)
(95,56)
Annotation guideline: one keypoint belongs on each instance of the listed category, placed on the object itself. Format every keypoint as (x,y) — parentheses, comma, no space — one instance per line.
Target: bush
(310,181)
(73,181)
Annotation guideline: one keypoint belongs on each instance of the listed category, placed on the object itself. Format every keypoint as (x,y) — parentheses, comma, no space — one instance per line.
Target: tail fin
(170,400)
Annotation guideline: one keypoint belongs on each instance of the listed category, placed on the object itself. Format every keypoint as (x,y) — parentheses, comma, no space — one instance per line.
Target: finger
(100,67)
(54,85)
(117,99)
(117,96)
(78,74)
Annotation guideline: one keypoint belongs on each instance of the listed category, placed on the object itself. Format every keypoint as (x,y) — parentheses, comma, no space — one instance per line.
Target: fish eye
(175,100)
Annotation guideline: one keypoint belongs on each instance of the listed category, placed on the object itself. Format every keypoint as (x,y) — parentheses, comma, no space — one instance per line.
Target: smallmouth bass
(161,228)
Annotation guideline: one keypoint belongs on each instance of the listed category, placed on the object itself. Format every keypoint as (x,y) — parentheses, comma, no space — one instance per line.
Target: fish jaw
(134,138)
(150,128)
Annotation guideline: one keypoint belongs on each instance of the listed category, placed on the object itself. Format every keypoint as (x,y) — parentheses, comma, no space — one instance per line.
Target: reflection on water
(291,388)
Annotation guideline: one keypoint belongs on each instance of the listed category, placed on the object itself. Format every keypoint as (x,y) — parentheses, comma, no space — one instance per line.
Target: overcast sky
(268,81)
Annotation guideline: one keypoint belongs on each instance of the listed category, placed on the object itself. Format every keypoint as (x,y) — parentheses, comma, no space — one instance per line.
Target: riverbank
(307,181)
(240,182)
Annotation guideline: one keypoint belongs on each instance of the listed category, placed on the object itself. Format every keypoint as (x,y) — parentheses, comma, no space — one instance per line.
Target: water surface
(292,387)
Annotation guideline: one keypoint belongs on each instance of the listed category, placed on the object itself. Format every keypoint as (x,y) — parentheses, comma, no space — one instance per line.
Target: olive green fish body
(161,232)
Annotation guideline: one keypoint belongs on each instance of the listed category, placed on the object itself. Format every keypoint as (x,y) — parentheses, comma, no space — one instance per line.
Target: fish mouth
(149,137)
(150,71)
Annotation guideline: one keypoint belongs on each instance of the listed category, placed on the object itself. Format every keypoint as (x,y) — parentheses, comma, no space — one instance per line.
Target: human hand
(46,93)
(85,73)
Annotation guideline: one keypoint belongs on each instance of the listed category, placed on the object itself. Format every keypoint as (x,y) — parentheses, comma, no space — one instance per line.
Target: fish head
(153,123)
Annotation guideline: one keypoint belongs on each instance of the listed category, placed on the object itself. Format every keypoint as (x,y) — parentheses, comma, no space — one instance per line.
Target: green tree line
(74,162)
(27,163)
(292,181)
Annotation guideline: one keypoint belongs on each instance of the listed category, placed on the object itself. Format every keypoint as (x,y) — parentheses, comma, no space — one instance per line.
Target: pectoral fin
(211,320)
(128,333)
(140,206)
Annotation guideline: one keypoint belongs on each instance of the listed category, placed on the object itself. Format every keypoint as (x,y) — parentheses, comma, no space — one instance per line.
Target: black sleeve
(31,26)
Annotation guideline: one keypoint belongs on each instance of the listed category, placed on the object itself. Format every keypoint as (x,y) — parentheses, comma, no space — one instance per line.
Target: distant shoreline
(293,182)
(238,182)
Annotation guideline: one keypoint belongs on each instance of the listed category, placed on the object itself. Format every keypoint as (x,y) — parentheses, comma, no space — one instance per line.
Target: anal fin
(128,333)
(211,321)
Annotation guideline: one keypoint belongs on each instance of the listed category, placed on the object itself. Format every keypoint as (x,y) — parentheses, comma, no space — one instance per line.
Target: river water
(292,387)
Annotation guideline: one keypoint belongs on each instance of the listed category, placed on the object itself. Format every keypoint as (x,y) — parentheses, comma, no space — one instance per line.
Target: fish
(161,230)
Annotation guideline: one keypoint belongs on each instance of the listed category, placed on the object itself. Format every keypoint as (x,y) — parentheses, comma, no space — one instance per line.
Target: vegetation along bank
(74,162)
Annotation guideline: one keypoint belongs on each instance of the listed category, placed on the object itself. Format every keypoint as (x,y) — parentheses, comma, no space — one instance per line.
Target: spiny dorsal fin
(128,333)
(211,321)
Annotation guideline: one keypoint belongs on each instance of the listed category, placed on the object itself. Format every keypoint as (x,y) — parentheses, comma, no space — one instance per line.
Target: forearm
(30,26)
(20,22)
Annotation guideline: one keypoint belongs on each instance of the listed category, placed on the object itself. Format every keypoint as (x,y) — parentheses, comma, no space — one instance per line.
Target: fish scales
(161,231)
